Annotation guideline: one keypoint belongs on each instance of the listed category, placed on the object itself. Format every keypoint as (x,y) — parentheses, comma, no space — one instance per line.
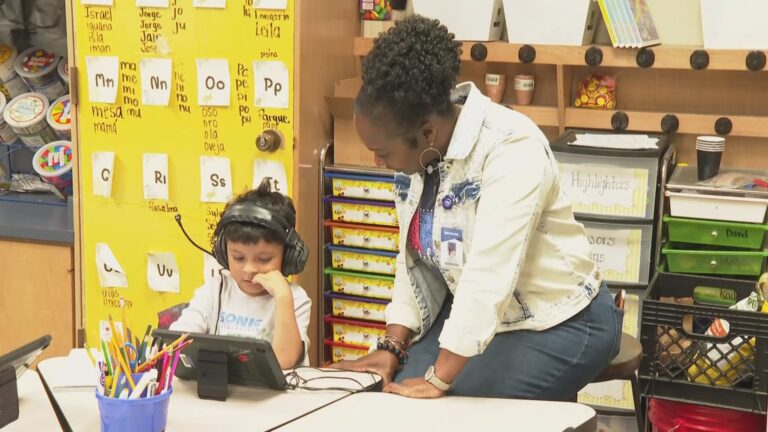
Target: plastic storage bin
(476,20)
(364,334)
(368,237)
(364,212)
(363,260)
(341,351)
(721,262)
(609,182)
(716,233)
(358,308)
(361,284)
(671,348)
(362,187)
(622,251)
(719,207)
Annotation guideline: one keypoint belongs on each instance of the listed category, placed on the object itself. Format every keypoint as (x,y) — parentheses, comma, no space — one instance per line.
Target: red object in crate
(669,416)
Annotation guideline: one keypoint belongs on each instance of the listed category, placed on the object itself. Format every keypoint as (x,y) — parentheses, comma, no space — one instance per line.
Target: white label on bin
(617,252)
(604,189)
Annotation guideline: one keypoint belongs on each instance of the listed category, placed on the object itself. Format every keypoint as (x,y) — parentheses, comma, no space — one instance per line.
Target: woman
(495,294)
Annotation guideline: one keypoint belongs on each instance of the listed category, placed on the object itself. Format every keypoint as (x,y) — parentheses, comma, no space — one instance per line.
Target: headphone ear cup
(295,256)
(220,252)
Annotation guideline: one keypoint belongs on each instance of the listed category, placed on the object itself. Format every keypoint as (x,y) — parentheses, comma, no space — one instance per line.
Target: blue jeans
(552,364)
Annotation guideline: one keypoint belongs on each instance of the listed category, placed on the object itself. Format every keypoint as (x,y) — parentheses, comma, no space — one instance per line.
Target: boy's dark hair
(409,74)
(264,197)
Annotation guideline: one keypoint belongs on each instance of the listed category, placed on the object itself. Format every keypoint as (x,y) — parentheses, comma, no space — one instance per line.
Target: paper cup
(132,415)
(37,67)
(26,115)
(53,163)
(7,135)
(11,84)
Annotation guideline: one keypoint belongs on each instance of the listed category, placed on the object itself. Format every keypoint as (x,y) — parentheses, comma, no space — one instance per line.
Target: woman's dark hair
(409,74)
(264,197)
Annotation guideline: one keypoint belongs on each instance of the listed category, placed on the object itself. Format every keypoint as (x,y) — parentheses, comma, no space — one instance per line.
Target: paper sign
(217,4)
(273,170)
(103,171)
(211,267)
(162,272)
(111,274)
(605,189)
(152,3)
(270,4)
(610,248)
(213,84)
(156,176)
(96,2)
(215,179)
(156,80)
(105,330)
(103,78)
(271,84)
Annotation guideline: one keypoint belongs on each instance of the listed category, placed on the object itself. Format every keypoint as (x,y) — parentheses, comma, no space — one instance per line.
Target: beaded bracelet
(387,344)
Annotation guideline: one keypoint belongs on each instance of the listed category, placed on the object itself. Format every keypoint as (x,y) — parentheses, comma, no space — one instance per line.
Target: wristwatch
(431,378)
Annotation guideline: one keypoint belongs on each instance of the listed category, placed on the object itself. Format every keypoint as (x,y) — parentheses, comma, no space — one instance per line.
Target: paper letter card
(215,179)
(155,176)
(103,78)
(111,274)
(213,84)
(103,171)
(162,272)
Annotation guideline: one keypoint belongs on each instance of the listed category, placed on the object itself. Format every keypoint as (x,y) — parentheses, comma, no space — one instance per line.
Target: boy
(251,296)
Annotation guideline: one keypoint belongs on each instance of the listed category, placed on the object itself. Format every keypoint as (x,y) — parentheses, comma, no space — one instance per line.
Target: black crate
(729,373)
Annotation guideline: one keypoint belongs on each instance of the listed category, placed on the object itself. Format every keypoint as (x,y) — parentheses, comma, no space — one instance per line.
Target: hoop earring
(429,168)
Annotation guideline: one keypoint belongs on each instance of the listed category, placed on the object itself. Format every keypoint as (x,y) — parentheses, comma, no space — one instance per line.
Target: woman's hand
(380,362)
(414,388)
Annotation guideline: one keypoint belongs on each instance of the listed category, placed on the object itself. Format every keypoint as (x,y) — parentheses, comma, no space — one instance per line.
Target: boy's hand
(275,283)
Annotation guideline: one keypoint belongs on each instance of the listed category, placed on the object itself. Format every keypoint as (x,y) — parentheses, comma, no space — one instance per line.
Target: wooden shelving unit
(726,88)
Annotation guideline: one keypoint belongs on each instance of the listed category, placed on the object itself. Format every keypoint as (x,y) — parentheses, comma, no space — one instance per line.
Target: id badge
(451,248)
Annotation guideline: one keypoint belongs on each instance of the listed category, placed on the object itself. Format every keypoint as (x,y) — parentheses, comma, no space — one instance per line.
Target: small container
(341,351)
(131,415)
(714,261)
(367,237)
(26,115)
(365,212)
(357,308)
(380,262)
(7,135)
(11,84)
(63,70)
(53,163)
(364,334)
(59,118)
(361,284)
(363,187)
(37,67)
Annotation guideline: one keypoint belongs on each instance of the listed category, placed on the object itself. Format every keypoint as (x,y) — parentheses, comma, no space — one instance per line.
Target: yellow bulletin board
(131,226)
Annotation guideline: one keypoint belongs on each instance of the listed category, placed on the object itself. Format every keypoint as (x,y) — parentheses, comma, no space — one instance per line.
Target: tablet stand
(9,396)
(212,375)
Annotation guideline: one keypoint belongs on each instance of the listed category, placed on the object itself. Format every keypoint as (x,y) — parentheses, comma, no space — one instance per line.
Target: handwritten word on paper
(213,82)
(111,274)
(156,81)
(103,78)
(271,84)
(163,272)
(215,179)
(155,176)
(103,169)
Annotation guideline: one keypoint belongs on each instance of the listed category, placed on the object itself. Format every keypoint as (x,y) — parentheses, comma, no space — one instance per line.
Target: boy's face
(248,260)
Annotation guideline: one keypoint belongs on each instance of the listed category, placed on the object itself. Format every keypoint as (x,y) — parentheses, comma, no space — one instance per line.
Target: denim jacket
(519,259)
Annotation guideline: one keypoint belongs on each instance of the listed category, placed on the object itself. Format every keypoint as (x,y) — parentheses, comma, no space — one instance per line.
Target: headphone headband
(251,213)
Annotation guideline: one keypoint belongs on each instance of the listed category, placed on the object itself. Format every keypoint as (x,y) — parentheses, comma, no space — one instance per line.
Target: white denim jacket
(522,262)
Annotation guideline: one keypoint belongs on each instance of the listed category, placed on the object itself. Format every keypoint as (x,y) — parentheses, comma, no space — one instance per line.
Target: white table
(382,412)
(72,383)
(35,410)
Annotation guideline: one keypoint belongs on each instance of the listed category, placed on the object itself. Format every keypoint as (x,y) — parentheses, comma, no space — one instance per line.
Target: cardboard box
(470,20)
(348,149)
(551,22)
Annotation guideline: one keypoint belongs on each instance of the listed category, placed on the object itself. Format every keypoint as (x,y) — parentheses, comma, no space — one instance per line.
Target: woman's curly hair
(409,74)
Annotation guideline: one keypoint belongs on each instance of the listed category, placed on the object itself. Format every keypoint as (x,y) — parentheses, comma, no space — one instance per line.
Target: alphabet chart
(172,97)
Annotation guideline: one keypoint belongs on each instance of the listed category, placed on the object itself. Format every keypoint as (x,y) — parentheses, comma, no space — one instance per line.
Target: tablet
(250,362)
(22,358)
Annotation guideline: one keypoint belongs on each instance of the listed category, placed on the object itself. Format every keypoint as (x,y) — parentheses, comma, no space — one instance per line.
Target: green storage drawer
(736,263)
(716,233)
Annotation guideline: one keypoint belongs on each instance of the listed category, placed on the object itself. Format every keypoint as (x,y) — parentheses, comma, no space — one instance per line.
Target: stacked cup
(709,152)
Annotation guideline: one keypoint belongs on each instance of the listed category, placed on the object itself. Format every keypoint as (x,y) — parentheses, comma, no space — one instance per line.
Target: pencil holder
(131,415)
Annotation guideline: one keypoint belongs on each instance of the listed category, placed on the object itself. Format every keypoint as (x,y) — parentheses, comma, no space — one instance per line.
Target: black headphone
(296,251)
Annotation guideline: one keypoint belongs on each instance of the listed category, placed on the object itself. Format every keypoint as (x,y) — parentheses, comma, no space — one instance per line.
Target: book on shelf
(629,23)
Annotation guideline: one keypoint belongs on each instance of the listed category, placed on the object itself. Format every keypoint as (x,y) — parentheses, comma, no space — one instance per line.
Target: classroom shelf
(667,57)
(700,124)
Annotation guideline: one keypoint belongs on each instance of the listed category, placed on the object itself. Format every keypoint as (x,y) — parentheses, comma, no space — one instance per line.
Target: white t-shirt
(241,315)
